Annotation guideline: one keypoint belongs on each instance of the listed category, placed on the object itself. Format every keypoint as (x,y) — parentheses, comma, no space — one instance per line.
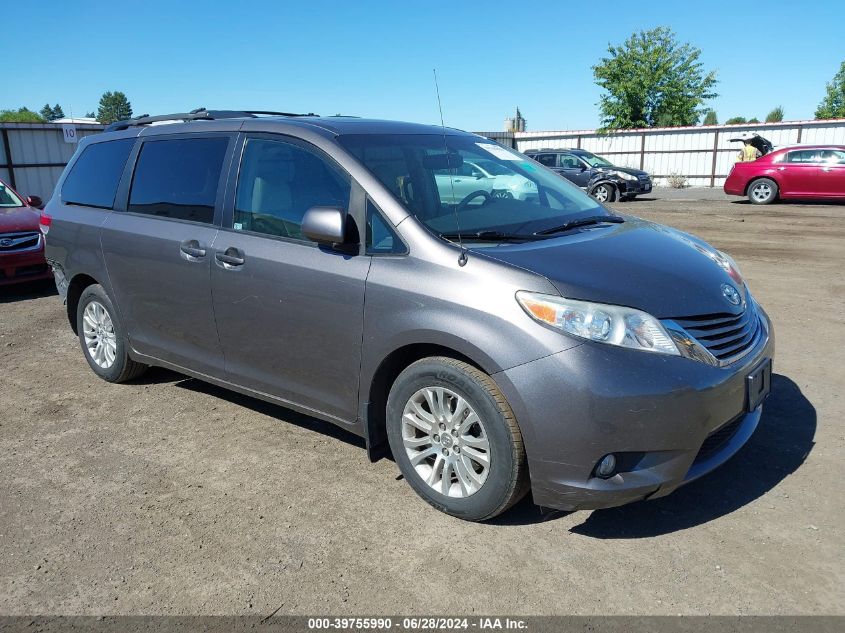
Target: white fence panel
(704,155)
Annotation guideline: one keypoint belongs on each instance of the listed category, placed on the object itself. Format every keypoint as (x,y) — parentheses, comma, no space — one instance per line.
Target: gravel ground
(170,496)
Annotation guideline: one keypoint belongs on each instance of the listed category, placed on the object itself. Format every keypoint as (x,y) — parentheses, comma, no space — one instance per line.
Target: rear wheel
(102,337)
(455,439)
(605,193)
(763,191)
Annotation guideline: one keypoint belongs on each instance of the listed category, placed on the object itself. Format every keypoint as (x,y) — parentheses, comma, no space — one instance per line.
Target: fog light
(606,466)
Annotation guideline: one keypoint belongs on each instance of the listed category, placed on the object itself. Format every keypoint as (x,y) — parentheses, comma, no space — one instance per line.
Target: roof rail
(200,114)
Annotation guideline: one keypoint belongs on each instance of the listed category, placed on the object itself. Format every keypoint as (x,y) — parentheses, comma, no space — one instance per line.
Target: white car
(482,175)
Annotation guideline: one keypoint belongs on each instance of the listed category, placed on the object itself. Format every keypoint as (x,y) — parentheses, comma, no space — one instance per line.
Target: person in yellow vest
(748,152)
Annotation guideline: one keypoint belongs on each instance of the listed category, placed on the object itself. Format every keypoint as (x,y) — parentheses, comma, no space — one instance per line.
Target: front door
(289,313)
(157,250)
(832,174)
(574,169)
(799,173)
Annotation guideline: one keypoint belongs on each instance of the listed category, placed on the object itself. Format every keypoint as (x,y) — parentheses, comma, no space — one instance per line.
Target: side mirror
(35,201)
(325,225)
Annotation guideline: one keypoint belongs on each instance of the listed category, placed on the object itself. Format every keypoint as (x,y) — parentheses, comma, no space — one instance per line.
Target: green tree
(114,106)
(90,115)
(775,116)
(833,104)
(710,118)
(21,115)
(754,120)
(652,77)
(736,119)
(51,114)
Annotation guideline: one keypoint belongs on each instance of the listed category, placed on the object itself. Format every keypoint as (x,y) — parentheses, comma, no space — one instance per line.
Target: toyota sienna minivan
(493,344)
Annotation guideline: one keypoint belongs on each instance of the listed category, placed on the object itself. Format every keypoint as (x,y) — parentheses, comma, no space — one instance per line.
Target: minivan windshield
(438,180)
(593,160)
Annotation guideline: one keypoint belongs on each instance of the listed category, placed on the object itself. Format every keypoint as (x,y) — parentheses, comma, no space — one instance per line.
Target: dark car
(21,239)
(596,175)
(796,172)
(494,344)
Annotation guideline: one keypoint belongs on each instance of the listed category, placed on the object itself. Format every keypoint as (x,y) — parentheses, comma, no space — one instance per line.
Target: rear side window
(549,160)
(177,178)
(95,175)
(803,156)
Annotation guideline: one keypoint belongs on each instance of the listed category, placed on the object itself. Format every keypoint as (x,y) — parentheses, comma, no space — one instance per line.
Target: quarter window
(381,238)
(279,182)
(94,177)
(177,178)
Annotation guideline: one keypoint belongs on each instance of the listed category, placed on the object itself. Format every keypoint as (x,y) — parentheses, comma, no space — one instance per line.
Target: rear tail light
(44,223)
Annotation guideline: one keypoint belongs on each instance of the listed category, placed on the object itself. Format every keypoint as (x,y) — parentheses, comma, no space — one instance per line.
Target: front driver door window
(290,315)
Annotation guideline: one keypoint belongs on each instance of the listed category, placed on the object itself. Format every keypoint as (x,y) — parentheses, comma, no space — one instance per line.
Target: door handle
(192,250)
(781,168)
(826,168)
(230,258)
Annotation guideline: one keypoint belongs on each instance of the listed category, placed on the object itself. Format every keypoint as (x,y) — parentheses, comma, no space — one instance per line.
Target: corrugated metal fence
(32,155)
(702,154)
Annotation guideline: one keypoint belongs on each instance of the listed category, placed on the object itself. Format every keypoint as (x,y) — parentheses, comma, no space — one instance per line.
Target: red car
(21,238)
(800,171)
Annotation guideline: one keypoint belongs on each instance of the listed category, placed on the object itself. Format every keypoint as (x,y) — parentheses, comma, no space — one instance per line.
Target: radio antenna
(462,258)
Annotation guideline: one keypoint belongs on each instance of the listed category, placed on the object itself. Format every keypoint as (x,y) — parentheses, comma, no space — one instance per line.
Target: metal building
(32,155)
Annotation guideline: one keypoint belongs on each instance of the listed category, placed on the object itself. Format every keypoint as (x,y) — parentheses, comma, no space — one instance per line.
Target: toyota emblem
(731,294)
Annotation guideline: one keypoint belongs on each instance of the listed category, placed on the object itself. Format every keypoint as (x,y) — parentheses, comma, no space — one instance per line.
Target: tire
(485,430)
(762,191)
(102,337)
(604,193)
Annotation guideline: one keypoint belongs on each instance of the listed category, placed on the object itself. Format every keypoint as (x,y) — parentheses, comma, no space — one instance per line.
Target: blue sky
(375,58)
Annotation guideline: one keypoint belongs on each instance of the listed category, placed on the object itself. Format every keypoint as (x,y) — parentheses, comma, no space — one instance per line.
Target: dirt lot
(171,496)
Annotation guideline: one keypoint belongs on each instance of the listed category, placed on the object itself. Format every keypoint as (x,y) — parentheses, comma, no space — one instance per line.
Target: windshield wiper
(572,224)
(493,236)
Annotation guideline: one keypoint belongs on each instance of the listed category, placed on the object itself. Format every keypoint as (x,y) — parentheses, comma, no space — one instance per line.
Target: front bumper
(636,187)
(655,411)
(22,266)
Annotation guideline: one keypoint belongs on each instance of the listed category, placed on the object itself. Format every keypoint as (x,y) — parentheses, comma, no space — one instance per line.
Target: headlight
(614,325)
(623,175)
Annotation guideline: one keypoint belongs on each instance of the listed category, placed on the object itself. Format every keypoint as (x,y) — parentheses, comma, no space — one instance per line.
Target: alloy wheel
(98,332)
(446,442)
(601,193)
(761,192)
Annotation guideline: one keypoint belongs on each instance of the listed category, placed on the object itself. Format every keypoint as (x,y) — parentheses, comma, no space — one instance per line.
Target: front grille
(11,242)
(724,335)
(718,439)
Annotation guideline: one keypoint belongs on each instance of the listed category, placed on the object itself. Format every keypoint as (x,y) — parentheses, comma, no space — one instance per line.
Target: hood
(637,264)
(13,219)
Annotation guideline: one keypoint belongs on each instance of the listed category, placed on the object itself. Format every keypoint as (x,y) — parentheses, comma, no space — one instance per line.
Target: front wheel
(605,193)
(455,439)
(763,191)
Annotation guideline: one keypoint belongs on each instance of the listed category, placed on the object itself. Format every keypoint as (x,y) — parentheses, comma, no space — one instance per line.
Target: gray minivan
(493,343)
